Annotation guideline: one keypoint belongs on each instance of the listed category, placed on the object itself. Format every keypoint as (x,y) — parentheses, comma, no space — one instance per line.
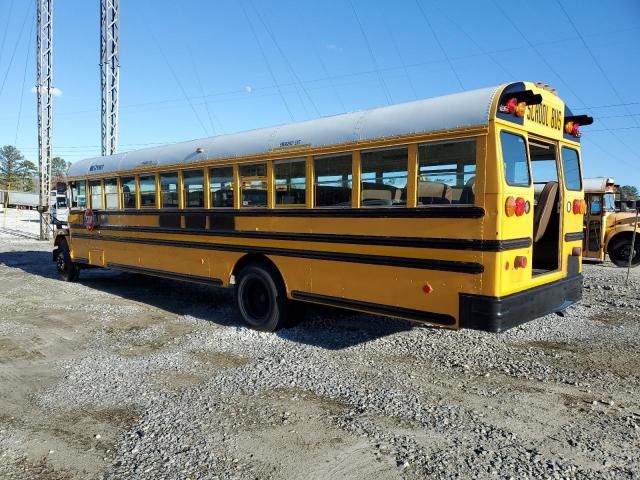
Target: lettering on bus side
(540,114)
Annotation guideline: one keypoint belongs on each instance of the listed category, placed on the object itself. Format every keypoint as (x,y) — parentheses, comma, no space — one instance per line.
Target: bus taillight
(514,107)
(573,128)
(510,206)
(579,207)
(521,206)
(520,262)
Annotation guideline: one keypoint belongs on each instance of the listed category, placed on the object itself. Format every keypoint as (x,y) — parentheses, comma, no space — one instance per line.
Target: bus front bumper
(497,314)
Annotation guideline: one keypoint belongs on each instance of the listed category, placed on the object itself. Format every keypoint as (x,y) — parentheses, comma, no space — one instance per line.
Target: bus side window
(447,172)
(384,177)
(95,188)
(128,192)
(221,187)
(169,190)
(290,182)
(333,180)
(193,186)
(79,194)
(147,185)
(253,185)
(596,205)
(111,192)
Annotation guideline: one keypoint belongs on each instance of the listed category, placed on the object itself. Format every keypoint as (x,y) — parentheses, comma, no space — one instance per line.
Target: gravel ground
(123,376)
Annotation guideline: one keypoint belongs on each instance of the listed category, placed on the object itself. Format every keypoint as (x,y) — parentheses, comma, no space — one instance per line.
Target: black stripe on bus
(165,274)
(427,211)
(80,260)
(419,263)
(411,242)
(573,236)
(376,308)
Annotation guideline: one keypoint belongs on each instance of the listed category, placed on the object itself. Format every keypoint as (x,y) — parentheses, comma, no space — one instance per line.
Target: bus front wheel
(620,251)
(260,298)
(68,270)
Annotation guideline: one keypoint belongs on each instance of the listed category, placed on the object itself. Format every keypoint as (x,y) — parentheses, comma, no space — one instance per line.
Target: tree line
(17,173)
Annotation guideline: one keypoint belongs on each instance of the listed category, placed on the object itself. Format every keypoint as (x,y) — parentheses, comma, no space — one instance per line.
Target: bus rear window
(514,156)
(571,168)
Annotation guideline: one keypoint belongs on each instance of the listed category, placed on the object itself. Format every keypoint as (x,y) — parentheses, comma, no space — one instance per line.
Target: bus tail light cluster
(573,129)
(520,262)
(572,124)
(516,206)
(579,207)
(514,107)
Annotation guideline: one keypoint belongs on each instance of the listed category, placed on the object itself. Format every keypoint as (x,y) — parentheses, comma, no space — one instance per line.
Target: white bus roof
(598,184)
(459,110)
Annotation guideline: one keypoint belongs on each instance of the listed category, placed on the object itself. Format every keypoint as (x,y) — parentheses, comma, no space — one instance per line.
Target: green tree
(59,168)
(26,172)
(10,162)
(628,192)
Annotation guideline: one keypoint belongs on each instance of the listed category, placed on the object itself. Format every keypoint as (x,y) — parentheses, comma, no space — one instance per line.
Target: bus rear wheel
(620,252)
(260,298)
(68,270)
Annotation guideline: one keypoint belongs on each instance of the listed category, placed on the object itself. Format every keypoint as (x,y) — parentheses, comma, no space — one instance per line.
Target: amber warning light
(516,103)
(572,124)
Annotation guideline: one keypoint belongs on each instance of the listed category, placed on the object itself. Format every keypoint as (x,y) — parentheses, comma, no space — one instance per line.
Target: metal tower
(110,72)
(44,88)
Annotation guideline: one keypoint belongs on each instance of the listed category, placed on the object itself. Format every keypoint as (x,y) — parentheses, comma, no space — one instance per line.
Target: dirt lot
(123,376)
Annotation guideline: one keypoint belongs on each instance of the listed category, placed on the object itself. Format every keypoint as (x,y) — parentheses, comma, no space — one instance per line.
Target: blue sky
(198,68)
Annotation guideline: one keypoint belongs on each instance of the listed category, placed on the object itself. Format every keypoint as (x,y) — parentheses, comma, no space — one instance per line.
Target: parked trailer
(23,199)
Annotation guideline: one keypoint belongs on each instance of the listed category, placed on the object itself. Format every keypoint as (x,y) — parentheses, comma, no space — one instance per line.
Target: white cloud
(248,89)
(56,92)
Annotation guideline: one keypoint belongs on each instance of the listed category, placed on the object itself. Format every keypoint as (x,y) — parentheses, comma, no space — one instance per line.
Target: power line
(444,52)
(184,92)
(286,60)
(197,75)
(266,59)
(593,57)
(474,42)
(24,79)
(553,70)
(15,48)
(400,57)
(373,58)
(6,29)
(323,66)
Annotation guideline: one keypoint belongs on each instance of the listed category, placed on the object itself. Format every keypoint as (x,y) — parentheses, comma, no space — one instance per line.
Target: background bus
(607,230)
(458,211)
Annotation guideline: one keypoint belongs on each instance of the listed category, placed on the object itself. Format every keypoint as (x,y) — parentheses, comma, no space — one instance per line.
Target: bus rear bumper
(497,314)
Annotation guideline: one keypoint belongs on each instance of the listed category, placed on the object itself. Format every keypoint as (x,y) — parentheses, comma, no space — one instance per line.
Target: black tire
(620,250)
(260,298)
(68,270)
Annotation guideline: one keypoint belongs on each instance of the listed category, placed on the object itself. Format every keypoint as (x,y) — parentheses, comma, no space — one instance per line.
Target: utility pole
(110,72)
(44,89)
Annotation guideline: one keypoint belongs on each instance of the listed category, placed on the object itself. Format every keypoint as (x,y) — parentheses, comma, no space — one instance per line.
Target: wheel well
(620,236)
(253,259)
(59,240)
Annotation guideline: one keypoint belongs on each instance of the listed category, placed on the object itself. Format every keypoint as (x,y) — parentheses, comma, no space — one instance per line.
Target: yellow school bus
(461,211)
(607,230)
